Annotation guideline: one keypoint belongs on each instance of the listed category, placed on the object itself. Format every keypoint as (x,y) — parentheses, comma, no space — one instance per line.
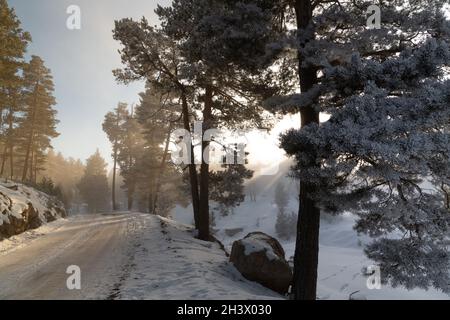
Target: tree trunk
(5,155)
(30,139)
(204,170)
(307,243)
(151,205)
(25,164)
(160,172)
(31,165)
(11,161)
(35,169)
(151,197)
(193,178)
(114,180)
(1,122)
(130,201)
(11,144)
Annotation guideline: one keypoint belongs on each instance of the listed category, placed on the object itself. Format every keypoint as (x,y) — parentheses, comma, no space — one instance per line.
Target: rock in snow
(23,208)
(261,258)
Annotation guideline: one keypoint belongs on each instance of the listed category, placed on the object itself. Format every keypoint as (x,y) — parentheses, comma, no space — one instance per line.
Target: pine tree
(281,225)
(225,93)
(285,224)
(383,139)
(47,186)
(11,63)
(65,173)
(179,57)
(384,90)
(130,150)
(158,113)
(38,125)
(227,186)
(113,126)
(11,134)
(94,184)
(281,197)
(149,54)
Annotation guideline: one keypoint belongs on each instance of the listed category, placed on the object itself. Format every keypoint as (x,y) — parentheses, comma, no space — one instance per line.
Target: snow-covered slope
(170,264)
(341,257)
(23,208)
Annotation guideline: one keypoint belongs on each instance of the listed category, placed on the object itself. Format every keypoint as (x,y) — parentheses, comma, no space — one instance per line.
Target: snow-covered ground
(341,257)
(140,256)
(169,264)
(121,256)
(23,208)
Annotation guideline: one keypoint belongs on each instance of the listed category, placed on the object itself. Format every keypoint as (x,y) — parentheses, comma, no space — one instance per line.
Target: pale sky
(81,62)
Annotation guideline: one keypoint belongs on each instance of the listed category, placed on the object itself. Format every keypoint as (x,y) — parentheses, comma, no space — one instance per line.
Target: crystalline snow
(254,245)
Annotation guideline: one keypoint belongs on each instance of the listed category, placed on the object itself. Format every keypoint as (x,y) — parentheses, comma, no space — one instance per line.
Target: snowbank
(170,264)
(254,245)
(23,208)
(341,255)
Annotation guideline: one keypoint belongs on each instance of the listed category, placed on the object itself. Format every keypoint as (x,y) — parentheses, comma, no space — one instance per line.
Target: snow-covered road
(121,256)
(96,243)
